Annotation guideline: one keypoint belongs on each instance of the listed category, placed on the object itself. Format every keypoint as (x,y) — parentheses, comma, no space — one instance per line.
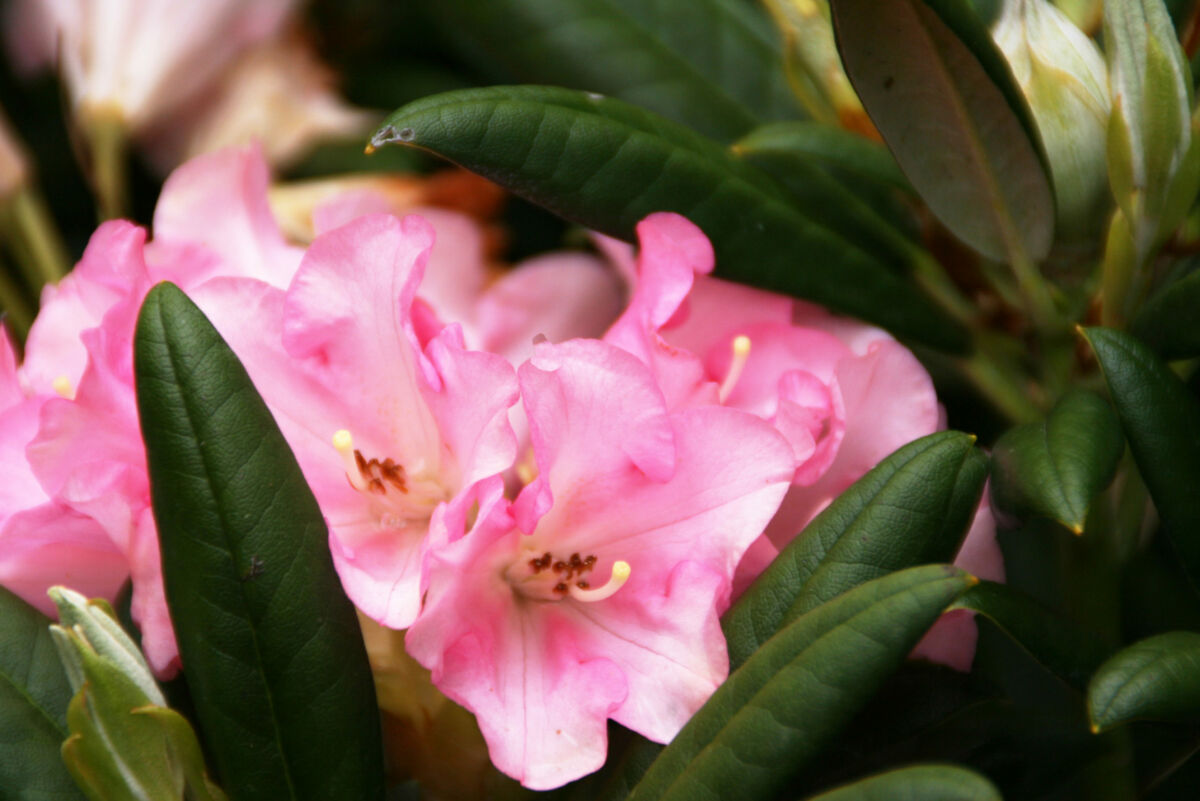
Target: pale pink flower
(387,412)
(276,93)
(596,594)
(142,58)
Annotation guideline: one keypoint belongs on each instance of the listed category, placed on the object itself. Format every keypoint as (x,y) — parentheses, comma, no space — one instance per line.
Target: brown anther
(583,585)
(560,586)
(376,487)
(360,461)
(560,567)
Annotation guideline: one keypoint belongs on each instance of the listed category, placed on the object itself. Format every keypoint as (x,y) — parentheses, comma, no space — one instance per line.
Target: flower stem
(29,229)
(14,304)
(105,131)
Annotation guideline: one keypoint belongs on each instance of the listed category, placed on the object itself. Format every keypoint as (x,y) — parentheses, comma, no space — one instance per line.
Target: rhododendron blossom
(596,594)
(388,414)
(842,393)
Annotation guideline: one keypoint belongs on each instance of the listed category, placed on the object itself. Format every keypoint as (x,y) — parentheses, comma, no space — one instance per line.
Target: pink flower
(212,219)
(597,593)
(843,394)
(560,296)
(387,412)
(43,542)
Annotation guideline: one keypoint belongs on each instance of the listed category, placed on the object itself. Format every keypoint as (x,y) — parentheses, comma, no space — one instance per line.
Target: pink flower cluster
(559,539)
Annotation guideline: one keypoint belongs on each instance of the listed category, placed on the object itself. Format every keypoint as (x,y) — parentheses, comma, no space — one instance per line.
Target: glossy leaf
(1069,652)
(275,660)
(714,65)
(606,164)
(1162,423)
(946,103)
(913,508)
(1056,467)
(778,710)
(1155,679)
(34,694)
(834,149)
(859,210)
(917,783)
(1170,321)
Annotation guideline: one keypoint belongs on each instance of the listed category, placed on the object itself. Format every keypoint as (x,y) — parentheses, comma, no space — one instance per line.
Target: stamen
(344,444)
(62,385)
(620,574)
(741,352)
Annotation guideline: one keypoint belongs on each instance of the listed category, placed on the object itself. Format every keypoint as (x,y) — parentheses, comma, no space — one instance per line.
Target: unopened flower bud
(1063,77)
(1153,160)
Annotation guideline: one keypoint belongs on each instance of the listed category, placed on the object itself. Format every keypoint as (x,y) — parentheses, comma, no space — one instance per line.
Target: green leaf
(1155,679)
(942,96)
(835,149)
(714,65)
(856,212)
(275,660)
(605,164)
(777,711)
(1056,467)
(34,694)
(917,783)
(912,508)
(1162,423)
(1057,644)
(1170,321)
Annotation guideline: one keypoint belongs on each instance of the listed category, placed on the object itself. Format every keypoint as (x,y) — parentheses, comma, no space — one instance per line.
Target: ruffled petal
(219,200)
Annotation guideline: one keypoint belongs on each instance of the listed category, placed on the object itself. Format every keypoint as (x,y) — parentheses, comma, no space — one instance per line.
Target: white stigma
(62,385)
(741,352)
(344,444)
(620,574)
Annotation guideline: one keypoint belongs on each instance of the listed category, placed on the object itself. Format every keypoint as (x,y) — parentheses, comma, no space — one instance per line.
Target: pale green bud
(1152,159)
(1062,74)
(124,742)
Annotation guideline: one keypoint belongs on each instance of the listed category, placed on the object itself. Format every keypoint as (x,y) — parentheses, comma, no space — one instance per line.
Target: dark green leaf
(714,65)
(1162,423)
(606,164)
(1059,645)
(912,508)
(943,98)
(1170,321)
(778,710)
(1055,468)
(835,149)
(1155,679)
(34,694)
(918,783)
(274,657)
(856,209)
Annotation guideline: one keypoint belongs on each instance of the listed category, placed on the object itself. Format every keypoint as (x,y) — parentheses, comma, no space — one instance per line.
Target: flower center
(399,496)
(547,578)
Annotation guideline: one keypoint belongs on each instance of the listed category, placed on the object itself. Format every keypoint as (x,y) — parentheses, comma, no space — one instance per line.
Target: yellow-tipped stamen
(741,352)
(369,149)
(620,574)
(344,444)
(62,385)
